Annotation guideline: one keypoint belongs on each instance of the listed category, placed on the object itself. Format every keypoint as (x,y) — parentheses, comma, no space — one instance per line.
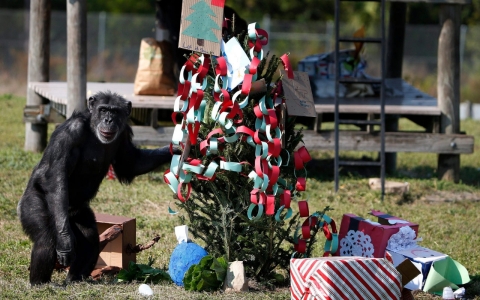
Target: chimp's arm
(131,161)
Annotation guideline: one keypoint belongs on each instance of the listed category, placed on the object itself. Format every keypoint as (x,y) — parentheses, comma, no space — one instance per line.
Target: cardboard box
(115,252)
(361,237)
(422,258)
(344,278)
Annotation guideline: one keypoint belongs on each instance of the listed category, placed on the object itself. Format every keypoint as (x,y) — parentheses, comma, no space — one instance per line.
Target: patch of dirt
(446,196)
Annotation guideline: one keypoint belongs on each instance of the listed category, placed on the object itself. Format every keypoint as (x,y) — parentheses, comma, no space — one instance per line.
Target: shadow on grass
(322,169)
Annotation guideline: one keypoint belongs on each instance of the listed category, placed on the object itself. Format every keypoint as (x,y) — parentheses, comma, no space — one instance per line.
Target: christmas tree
(242,164)
(202,25)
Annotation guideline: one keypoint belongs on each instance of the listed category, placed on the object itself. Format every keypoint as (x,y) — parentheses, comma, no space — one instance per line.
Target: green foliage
(144,273)
(207,275)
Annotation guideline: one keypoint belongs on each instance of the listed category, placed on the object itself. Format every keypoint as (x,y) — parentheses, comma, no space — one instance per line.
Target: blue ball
(184,256)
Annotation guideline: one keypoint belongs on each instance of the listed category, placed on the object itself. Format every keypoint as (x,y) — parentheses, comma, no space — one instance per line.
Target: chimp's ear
(91,103)
(129,108)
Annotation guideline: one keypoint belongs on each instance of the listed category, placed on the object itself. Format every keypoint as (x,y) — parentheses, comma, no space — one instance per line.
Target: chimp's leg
(84,227)
(39,226)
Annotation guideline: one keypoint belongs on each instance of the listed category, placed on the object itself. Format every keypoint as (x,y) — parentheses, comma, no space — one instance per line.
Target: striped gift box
(349,278)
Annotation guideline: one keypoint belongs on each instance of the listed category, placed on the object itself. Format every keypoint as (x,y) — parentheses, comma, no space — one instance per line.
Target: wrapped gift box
(422,258)
(361,237)
(344,278)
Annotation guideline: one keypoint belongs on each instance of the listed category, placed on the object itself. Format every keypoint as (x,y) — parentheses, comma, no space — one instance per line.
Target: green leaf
(220,267)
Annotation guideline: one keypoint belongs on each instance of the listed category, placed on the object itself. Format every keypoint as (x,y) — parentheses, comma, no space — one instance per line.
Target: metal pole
(337,77)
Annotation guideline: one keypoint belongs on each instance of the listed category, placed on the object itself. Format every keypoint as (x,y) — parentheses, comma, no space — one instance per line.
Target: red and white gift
(363,237)
(350,278)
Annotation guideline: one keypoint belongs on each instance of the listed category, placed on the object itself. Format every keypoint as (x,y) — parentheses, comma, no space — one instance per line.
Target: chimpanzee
(54,209)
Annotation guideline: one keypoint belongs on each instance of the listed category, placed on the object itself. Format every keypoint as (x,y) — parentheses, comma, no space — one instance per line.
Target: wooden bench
(414,104)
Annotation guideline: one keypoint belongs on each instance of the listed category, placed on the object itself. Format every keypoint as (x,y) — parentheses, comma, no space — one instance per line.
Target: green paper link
(199,114)
(195,169)
(252,33)
(191,116)
(231,139)
(216,107)
(185,177)
(174,163)
(288,158)
(177,136)
(211,169)
(295,173)
(181,77)
(176,105)
(265,150)
(260,124)
(259,54)
(278,133)
(250,141)
(262,105)
(231,166)
(173,182)
(216,86)
(266,180)
(171,211)
(279,211)
(224,121)
(259,213)
(213,147)
(275,189)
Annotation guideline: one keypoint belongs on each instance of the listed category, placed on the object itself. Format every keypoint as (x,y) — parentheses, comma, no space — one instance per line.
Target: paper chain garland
(266,137)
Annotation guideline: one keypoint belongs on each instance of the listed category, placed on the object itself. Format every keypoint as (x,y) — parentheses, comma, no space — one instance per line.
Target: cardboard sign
(298,94)
(201,26)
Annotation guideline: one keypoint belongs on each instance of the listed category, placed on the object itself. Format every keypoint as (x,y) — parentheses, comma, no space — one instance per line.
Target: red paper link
(272,118)
(247,84)
(220,3)
(301,184)
(304,154)
(255,195)
(264,34)
(287,66)
(260,166)
(184,90)
(203,69)
(225,96)
(179,192)
(303,208)
(298,161)
(253,66)
(286,198)
(275,148)
(221,67)
(257,44)
(258,113)
(306,232)
(273,174)
(301,246)
(270,207)
(193,130)
(174,117)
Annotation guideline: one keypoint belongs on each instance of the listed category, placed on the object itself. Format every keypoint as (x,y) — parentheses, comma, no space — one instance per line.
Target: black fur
(54,209)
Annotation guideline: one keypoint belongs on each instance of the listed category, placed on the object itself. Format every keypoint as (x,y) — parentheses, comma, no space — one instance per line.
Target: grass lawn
(449,225)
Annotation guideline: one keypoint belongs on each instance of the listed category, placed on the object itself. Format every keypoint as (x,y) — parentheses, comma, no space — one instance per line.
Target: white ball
(145,290)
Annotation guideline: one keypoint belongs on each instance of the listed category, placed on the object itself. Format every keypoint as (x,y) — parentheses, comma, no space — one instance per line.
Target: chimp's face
(109,115)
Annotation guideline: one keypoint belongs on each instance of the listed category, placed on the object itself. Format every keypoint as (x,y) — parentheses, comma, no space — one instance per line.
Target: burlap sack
(155,69)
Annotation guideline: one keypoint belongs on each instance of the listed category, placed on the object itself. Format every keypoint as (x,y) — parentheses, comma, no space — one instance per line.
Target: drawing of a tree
(201,24)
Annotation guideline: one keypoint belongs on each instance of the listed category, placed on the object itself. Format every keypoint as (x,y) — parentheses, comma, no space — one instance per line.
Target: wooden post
(448,86)
(76,55)
(38,69)
(396,38)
